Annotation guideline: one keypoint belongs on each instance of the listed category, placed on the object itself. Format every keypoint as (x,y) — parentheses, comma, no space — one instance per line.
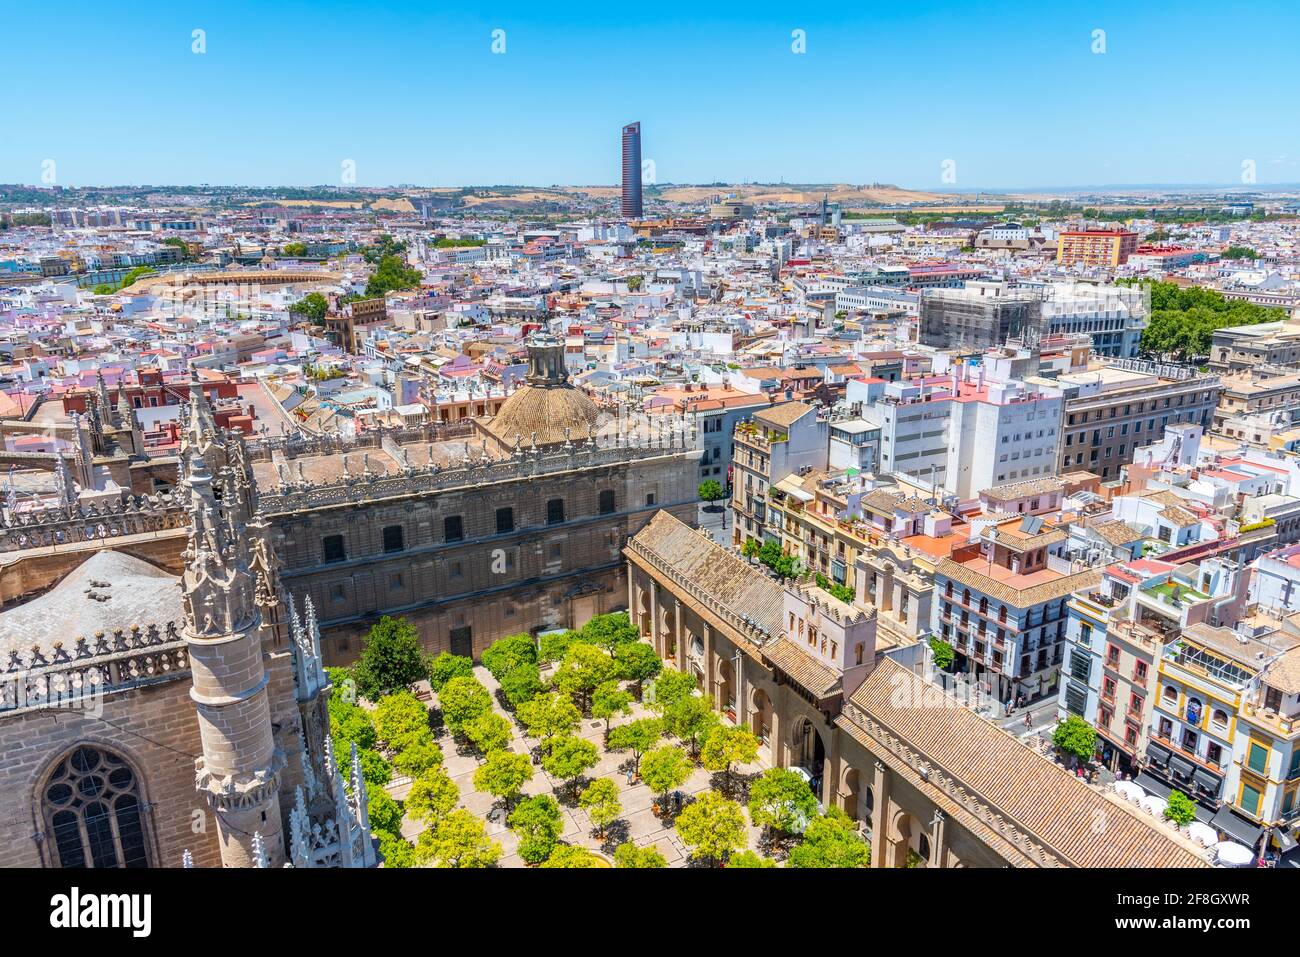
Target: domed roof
(547,404)
(546,411)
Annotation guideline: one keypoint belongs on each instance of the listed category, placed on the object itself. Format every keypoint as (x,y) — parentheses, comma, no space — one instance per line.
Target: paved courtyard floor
(638,822)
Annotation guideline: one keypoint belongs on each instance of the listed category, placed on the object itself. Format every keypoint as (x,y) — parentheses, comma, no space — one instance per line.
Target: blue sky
(1011,92)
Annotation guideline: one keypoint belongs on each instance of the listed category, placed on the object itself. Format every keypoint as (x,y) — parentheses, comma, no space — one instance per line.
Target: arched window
(1219,718)
(92,810)
(1170,695)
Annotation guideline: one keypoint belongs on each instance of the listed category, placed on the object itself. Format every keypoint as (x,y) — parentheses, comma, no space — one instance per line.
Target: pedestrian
(1007,707)
(1029,719)
(629,777)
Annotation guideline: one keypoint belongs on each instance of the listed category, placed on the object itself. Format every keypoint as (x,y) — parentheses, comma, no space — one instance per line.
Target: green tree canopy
(691,719)
(385,812)
(460,840)
(750,859)
(781,800)
(311,308)
(712,827)
(601,802)
(726,746)
(568,855)
(665,768)
(418,756)
(629,855)
(506,654)
(831,841)
(538,823)
(710,490)
(349,723)
(549,716)
(1077,737)
(609,631)
(636,661)
(488,732)
(503,774)
(400,718)
(944,655)
(671,686)
(432,796)
(637,737)
(556,644)
(392,659)
(583,669)
(445,666)
(569,758)
(395,850)
(392,275)
(1180,809)
(521,684)
(609,701)
(1184,318)
(462,700)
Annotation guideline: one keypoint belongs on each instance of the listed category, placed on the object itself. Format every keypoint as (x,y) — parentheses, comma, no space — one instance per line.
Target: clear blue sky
(412,92)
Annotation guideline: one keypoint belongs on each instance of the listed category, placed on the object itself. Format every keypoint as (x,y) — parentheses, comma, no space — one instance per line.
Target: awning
(1157,755)
(1152,784)
(1181,766)
(1238,828)
(1208,781)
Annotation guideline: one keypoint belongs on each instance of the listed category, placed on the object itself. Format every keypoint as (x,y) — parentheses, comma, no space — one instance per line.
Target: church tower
(260,687)
(239,771)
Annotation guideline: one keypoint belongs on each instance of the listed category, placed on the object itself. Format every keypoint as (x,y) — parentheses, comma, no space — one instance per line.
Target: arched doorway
(93,811)
(900,839)
(760,719)
(726,687)
(642,613)
(695,657)
(808,751)
(849,793)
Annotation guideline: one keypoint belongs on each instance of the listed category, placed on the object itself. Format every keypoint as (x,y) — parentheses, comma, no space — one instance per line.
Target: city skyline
(946,99)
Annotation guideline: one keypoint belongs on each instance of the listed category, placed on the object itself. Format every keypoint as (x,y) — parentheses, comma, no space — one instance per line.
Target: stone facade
(930,783)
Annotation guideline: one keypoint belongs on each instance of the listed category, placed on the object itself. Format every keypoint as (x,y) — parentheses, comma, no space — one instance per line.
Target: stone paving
(638,823)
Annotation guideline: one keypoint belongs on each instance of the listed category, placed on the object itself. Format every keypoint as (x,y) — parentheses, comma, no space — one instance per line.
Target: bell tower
(239,772)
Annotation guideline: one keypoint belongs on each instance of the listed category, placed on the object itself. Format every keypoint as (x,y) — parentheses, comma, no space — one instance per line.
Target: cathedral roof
(107,591)
(546,410)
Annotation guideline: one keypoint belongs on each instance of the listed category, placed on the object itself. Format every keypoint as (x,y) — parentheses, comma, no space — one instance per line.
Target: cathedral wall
(153,728)
(536,577)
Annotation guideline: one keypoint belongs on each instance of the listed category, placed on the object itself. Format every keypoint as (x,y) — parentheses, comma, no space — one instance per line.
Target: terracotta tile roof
(1118,532)
(1019,490)
(807,671)
(784,415)
(1284,674)
(1018,597)
(1179,516)
(1038,796)
(726,579)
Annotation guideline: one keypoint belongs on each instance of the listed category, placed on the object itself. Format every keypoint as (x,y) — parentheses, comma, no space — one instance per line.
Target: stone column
(880,815)
(742,691)
(632,615)
(678,637)
(938,827)
(655,638)
(710,672)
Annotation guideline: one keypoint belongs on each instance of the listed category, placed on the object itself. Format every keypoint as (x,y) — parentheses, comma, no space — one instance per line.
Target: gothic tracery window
(92,810)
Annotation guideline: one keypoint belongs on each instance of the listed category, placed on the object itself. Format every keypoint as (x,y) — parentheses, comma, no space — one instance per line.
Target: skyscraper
(632,171)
